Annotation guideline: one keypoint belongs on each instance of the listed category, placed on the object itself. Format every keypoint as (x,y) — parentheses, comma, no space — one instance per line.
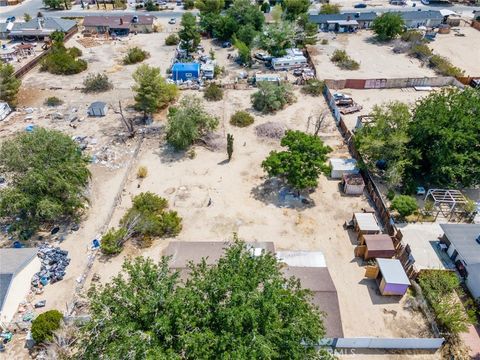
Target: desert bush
(241,119)
(330,9)
(218,71)
(412,36)
(142,172)
(53,101)
(45,324)
(112,241)
(95,83)
(343,61)
(420,51)
(313,87)
(151,6)
(272,97)
(63,61)
(324,42)
(404,204)
(172,39)
(443,66)
(135,55)
(390,194)
(213,92)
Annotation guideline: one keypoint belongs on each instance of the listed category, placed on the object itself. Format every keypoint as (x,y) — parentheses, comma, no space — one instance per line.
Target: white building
(4,110)
(17,267)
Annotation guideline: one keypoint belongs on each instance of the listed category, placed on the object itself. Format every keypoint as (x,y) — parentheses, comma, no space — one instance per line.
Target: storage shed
(343,166)
(353,184)
(185,71)
(97,108)
(378,246)
(391,278)
(366,223)
(4,110)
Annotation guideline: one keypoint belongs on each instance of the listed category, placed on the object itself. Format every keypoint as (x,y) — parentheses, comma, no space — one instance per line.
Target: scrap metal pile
(54,263)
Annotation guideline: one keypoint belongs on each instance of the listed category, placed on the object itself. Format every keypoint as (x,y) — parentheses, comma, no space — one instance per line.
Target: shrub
(421,51)
(112,241)
(218,71)
(390,194)
(404,204)
(213,92)
(313,87)
(53,101)
(330,9)
(324,42)
(172,39)
(188,4)
(142,172)
(151,6)
(241,119)
(171,223)
(444,67)
(135,55)
(95,83)
(45,324)
(412,36)
(61,61)
(272,97)
(343,61)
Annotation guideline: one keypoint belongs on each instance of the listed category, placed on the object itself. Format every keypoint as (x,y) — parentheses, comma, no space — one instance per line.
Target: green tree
(388,25)
(95,83)
(188,4)
(47,186)
(404,204)
(188,122)
(243,12)
(302,163)
(210,6)
(330,9)
(247,34)
(152,91)
(53,4)
(277,37)
(272,97)
(135,55)
(295,8)
(189,33)
(385,137)
(229,146)
(241,307)
(9,84)
(277,12)
(63,61)
(45,324)
(444,138)
(265,8)
(244,52)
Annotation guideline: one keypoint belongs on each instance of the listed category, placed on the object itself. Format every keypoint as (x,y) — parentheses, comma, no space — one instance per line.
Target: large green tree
(242,307)
(385,137)
(189,33)
(188,122)
(303,161)
(445,138)
(152,91)
(9,84)
(277,37)
(295,8)
(46,176)
(272,97)
(53,4)
(388,25)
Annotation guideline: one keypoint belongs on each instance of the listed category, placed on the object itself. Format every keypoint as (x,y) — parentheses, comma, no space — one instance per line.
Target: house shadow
(273,191)
(375,295)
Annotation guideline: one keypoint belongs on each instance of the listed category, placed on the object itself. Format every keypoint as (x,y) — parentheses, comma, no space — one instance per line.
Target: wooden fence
(397,83)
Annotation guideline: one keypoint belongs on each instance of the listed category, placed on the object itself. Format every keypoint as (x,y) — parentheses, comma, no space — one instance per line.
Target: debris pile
(271,130)
(213,141)
(54,264)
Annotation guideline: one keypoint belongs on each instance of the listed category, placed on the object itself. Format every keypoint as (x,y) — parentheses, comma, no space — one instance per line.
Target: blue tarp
(185,71)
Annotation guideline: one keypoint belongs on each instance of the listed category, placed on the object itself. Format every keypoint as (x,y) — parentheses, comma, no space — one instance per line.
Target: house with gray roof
(17,267)
(118,24)
(428,18)
(343,22)
(463,248)
(37,28)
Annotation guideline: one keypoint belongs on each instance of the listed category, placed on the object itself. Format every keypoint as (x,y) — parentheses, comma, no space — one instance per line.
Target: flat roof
(343,22)
(113,21)
(367,222)
(186,67)
(379,242)
(463,236)
(343,164)
(393,272)
(302,258)
(13,260)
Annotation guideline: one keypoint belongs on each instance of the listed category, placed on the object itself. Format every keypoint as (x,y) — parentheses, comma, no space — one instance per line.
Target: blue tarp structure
(185,71)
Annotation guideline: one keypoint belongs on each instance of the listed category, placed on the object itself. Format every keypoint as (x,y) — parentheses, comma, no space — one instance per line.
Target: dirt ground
(377,60)
(368,98)
(214,197)
(459,49)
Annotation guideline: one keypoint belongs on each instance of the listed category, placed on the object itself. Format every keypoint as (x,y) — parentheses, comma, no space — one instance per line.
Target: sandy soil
(459,49)
(377,60)
(368,98)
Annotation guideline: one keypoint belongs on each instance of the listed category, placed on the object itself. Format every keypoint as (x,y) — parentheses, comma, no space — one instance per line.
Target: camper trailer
(289,62)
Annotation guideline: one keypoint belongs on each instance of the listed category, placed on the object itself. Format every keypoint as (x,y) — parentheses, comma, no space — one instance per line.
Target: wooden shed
(366,223)
(377,246)
(353,184)
(391,278)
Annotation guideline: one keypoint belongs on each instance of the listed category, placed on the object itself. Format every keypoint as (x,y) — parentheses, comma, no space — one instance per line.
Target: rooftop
(116,21)
(463,236)
(366,222)
(393,272)
(325,18)
(420,15)
(379,242)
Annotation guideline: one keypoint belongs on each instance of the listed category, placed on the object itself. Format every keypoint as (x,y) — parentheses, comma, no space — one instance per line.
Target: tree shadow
(168,154)
(274,191)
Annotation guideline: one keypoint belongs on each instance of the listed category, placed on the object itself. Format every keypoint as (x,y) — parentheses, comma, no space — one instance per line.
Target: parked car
(360,6)
(172,21)
(475,83)
(179,3)
(298,72)
(11,19)
(226,44)
(262,56)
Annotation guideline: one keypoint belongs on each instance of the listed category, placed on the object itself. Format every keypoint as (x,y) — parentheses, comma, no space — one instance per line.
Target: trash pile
(54,264)
(272,130)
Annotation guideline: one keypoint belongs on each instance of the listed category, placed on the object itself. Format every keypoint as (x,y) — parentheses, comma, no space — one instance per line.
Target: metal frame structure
(446,198)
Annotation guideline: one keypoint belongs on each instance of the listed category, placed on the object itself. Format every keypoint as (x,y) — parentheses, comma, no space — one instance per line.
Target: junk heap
(54,263)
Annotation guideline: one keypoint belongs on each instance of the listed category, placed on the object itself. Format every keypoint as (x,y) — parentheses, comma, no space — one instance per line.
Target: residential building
(37,28)
(428,18)
(118,24)
(344,22)
(462,243)
(17,267)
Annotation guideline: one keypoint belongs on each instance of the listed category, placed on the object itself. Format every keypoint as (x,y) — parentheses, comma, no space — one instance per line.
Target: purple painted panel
(395,289)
